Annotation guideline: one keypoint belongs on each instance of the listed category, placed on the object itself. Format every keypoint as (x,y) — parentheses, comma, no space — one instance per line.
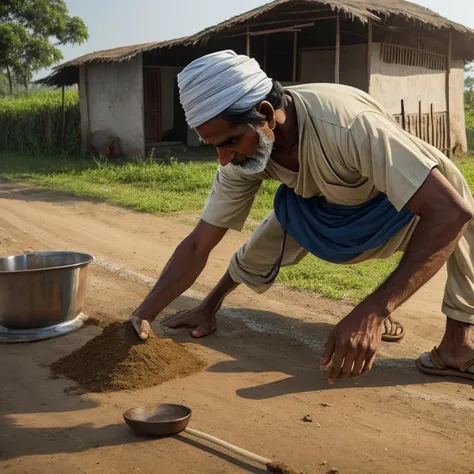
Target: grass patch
(177,188)
(141,184)
(338,282)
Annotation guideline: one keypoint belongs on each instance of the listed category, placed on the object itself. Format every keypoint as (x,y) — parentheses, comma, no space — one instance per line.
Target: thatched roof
(362,10)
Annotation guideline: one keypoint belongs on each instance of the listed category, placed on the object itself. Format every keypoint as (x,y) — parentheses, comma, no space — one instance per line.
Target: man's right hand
(141,326)
(181,271)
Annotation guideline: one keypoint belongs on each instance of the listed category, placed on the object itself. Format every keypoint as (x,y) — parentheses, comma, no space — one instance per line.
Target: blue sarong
(334,232)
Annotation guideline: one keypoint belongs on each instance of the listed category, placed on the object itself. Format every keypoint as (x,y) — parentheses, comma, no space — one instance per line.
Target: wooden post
(433,141)
(63,111)
(338,50)
(86,118)
(404,125)
(295,55)
(369,54)
(448,101)
(420,121)
(265,52)
(248,42)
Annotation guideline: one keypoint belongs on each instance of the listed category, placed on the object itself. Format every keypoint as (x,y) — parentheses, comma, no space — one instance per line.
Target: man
(355,187)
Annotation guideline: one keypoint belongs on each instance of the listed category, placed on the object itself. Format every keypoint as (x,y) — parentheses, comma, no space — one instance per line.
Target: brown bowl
(158,420)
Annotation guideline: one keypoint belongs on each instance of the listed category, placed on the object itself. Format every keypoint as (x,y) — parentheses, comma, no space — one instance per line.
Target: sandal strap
(436,359)
(467,365)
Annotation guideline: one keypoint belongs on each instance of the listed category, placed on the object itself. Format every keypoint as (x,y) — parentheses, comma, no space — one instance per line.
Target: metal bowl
(166,419)
(42,289)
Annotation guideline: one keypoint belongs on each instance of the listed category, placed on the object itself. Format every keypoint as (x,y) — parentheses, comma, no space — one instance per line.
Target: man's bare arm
(181,271)
(444,216)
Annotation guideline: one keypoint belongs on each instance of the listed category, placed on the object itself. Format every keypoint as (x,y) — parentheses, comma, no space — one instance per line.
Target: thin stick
(448,95)
(433,142)
(338,50)
(265,52)
(369,54)
(281,30)
(295,55)
(248,41)
(404,125)
(63,113)
(272,32)
(231,447)
(418,121)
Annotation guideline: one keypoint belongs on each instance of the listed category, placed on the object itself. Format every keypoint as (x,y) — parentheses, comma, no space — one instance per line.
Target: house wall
(390,83)
(111,100)
(318,66)
(456,98)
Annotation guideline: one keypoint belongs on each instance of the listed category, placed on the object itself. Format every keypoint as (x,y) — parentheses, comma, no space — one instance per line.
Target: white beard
(257,163)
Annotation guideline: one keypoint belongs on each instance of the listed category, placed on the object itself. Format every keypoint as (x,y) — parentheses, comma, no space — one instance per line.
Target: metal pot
(42,289)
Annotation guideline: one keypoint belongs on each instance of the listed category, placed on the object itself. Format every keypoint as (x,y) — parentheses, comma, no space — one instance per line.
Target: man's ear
(266,109)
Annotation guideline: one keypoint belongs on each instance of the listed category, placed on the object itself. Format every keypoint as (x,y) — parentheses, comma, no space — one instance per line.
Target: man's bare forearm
(179,274)
(430,247)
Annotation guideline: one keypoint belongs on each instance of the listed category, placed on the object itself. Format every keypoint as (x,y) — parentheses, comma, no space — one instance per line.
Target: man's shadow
(264,342)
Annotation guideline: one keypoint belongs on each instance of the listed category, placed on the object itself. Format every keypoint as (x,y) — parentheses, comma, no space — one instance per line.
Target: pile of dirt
(281,468)
(117,359)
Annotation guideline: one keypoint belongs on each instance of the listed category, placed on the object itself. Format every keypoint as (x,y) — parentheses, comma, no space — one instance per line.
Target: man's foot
(394,331)
(457,345)
(201,320)
(455,354)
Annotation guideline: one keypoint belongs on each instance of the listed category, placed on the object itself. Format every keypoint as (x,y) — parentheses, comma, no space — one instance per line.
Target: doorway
(152,104)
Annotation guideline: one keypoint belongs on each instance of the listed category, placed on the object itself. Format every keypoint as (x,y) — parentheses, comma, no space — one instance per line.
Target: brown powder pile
(281,468)
(117,359)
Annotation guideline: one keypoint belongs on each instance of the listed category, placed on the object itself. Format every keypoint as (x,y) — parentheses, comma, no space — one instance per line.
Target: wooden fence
(431,127)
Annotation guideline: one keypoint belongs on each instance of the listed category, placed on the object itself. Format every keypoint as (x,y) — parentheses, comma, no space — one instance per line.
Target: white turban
(221,81)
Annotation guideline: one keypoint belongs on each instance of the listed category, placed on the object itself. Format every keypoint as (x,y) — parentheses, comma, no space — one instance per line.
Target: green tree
(30,33)
(469,86)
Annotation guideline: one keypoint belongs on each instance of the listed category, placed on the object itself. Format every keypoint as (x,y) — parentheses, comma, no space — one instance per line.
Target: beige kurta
(350,149)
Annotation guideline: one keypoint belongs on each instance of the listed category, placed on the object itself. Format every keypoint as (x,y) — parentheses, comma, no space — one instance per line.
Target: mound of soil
(281,468)
(117,359)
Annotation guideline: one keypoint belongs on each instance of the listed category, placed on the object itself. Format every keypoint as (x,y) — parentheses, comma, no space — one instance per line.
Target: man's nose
(225,155)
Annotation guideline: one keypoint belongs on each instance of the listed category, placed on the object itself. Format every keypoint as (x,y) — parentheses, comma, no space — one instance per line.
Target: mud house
(408,57)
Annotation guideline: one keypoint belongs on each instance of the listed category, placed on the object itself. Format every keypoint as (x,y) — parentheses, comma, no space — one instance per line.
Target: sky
(114,23)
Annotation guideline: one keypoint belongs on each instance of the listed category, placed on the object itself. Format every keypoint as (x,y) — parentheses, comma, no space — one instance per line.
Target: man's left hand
(353,345)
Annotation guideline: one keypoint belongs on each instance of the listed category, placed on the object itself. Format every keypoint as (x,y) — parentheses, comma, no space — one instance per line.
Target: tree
(469,86)
(30,32)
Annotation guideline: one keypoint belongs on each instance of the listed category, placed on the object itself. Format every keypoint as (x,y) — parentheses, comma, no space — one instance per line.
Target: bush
(470,127)
(34,124)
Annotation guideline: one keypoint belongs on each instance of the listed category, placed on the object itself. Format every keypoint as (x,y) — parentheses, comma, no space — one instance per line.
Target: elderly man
(354,187)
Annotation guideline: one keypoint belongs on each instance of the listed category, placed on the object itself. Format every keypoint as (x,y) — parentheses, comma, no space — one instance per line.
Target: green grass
(338,282)
(177,188)
(141,184)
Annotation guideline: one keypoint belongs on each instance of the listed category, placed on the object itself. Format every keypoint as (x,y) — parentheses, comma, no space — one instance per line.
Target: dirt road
(262,377)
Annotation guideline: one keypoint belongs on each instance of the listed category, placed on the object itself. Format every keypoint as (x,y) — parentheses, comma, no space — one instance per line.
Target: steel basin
(42,289)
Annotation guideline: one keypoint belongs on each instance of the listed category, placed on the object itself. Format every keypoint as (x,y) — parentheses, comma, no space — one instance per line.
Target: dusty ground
(262,378)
